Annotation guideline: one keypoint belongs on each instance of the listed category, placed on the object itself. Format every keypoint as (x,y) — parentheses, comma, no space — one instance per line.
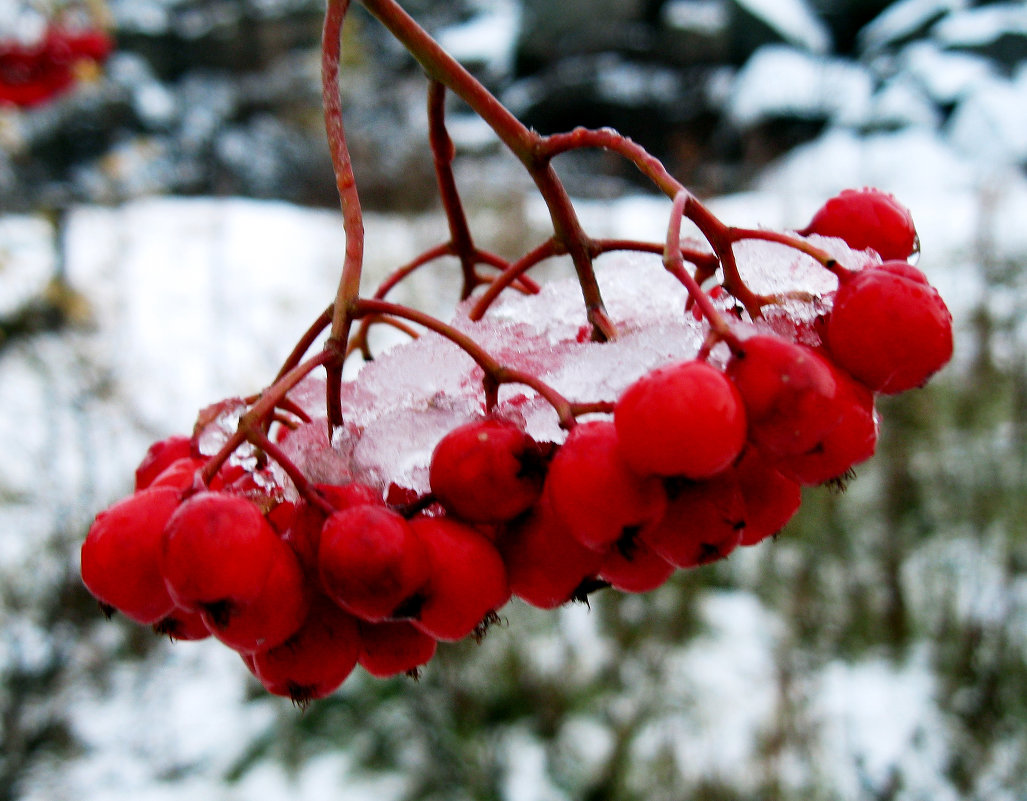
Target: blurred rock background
(221,98)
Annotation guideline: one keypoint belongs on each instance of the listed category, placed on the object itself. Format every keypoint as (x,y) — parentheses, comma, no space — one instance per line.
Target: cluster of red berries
(32,74)
(691,461)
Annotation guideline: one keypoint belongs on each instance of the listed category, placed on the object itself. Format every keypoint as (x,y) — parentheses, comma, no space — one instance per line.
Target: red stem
(443,152)
(496,373)
(353,222)
(674,262)
(524,143)
(721,238)
(308,339)
(609,139)
(303,486)
(512,273)
(822,256)
(251,424)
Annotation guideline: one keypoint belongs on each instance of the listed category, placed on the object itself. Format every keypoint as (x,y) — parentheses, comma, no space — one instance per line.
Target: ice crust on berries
(401,404)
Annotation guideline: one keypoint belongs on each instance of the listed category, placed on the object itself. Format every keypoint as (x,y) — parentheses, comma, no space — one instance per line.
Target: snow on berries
(676,454)
(649,415)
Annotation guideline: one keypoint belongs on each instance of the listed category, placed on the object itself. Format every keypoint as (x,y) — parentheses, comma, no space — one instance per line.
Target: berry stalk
(674,263)
(353,222)
(496,373)
(524,143)
(251,424)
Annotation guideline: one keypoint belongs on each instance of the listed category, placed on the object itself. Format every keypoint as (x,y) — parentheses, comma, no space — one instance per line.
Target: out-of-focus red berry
(121,555)
(867,218)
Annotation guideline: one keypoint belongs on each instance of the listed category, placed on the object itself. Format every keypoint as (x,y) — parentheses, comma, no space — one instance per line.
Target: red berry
(487,471)
(467,580)
(789,394)
(593,491)
(304,531)
(394,647)
(889,328)
(159,456)
(544,563)
(281,516)
(33,74)
(867,218)
(182,624)
(180,474)
(771,499)
(852,441)
(703,523)
(632,566)
(316,660)
(370,561)
(217,549)
(270,618)
(685,419)
(121,555)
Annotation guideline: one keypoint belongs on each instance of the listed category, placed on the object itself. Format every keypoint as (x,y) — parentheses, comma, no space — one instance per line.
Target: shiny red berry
(217,550)
(316,660)
(889,328)
(704,522)
(632,566)
(180,474)
(370,561)
(182,624)
(685,419)
(545,564)
(121,555)
(270,618)
(595,493)
(771,499)
(789,394)
(867,218)
(487,471)
(159,456)
(394,647)
(467,581)
(850,442)
(304,527)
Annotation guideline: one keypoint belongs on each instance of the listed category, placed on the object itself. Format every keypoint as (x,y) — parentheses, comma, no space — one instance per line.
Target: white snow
(902,19)
(706,16)
(980,26)
(489,38)
(794,20)
(27,260)
(945,75)
(990,124)
(785,81)
(902,102)
(725,691)
(20,21)
(877,725)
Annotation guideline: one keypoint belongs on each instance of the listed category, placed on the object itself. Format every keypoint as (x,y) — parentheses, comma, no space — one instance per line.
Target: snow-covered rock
(781,81)
(793,20)
(990,124)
